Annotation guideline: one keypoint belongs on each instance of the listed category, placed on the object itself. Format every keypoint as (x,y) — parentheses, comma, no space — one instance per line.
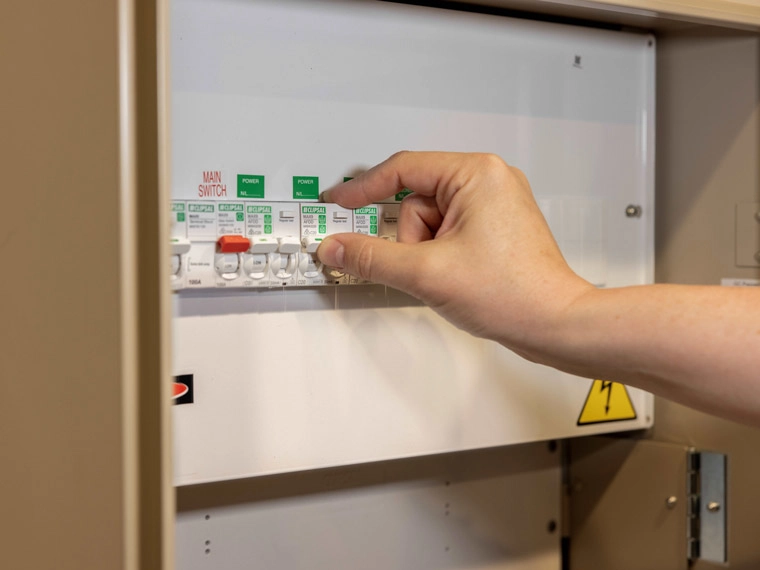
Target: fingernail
(331,252)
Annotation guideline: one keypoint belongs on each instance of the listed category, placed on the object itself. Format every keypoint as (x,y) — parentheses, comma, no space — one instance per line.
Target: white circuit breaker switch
(180,245)
(288,244)
(311,244)
(283,265)
(287,215)
(261,244)
(227,265)
(308,266)
(256,266)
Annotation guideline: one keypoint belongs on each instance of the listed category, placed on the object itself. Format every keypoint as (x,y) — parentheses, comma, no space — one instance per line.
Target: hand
(472,244)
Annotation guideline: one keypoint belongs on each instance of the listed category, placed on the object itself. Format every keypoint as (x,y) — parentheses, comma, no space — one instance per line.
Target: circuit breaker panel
(295,366)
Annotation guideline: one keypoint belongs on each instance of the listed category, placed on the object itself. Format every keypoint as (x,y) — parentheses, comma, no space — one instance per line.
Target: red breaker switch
(233,244)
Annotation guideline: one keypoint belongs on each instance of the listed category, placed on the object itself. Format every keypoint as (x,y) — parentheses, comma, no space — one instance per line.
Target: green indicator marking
(367,210)
(373,219)
(322,219)
(323,229)
(267,229)
(313,209)
(180,216)
(250,186)
(373,229)
(240,216)
(305,187)
(178,206)
(230,207)
(260,210)
(267,218)
(347,178)
(404,192)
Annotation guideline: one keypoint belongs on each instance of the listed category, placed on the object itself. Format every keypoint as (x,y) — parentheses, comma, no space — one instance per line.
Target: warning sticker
(606,402)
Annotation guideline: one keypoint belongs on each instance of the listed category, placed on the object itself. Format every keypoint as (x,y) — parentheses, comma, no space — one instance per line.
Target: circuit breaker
(226,244)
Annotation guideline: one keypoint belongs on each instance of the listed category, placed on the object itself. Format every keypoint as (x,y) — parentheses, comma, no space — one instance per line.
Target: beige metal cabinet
(84,307)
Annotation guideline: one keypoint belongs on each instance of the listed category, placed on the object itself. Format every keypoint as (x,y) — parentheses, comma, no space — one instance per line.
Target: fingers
(371,258)
(419,219)
(438,174)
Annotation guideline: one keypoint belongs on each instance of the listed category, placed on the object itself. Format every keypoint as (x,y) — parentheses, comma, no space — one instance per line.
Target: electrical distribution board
(295,367)
(265,244)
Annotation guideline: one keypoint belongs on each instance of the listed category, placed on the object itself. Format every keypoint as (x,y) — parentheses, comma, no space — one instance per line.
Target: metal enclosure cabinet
(290,378)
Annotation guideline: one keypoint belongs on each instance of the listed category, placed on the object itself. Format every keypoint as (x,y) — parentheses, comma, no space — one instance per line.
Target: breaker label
(313,220)
(305,187)
(212,185)
(250,186)
(258,220)
(230,219)
(178,219)
(365,220)
(201,221)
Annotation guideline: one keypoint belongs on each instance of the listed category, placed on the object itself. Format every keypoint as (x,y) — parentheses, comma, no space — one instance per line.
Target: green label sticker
(323,229)
(373,219)
(267,218)
(178,206)
(314,210)
(305,187)
(367,210)
(230,207)
(322,219)
(240,216)
(267,228)
(347,178)
(404,192)
(250,186)
(201,207)
(373,229)
(260,210)
(180,216)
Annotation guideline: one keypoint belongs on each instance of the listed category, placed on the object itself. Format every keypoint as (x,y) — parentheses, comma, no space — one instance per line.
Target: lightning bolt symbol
(606,385)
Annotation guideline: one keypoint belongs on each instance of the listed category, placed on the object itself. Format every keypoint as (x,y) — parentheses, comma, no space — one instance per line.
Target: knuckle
(489,161)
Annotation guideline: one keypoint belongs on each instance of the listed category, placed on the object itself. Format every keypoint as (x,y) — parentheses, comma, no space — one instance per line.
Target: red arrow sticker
(179,390)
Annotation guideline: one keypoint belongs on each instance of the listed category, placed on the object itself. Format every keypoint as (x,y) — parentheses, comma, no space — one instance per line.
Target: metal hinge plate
(706,487)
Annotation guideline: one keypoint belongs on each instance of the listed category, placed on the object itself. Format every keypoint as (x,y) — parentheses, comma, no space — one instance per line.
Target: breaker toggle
(233,244)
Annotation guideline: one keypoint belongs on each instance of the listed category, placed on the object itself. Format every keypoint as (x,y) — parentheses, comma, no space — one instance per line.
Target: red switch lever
(233,244)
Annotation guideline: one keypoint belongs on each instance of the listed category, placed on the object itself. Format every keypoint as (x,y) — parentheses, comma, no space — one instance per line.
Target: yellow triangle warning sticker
(606,402)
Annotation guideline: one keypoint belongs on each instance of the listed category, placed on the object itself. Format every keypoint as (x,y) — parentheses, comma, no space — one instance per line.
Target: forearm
(697,345)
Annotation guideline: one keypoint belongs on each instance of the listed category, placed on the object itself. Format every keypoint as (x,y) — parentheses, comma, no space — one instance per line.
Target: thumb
(372,258)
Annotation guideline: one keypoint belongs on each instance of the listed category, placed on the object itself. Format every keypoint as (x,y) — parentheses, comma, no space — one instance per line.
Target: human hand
(472,244)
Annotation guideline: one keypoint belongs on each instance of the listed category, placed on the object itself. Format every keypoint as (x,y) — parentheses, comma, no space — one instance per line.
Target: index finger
(438,174)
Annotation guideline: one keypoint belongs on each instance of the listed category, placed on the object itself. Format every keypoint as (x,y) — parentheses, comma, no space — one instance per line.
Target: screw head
(713,506)
(671,501)
(633,211)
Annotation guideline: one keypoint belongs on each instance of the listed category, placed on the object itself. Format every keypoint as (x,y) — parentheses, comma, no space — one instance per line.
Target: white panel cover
(296,378)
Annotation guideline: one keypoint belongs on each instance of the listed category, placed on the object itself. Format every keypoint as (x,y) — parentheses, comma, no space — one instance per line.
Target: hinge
(706,506)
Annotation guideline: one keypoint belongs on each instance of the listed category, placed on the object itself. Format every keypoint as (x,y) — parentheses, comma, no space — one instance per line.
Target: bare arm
(474,246)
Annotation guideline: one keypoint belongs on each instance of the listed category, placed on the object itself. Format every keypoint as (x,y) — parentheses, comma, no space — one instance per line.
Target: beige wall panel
(60,339)
(83,415)
(709,159)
